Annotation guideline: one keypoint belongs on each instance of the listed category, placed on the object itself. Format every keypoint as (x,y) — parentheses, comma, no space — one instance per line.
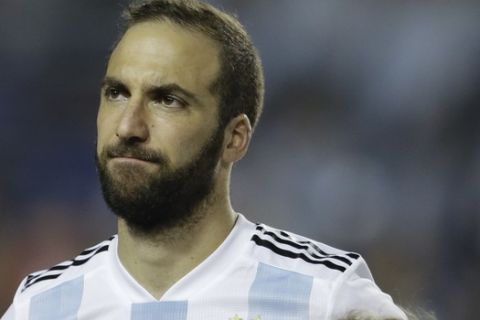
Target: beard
(150,203)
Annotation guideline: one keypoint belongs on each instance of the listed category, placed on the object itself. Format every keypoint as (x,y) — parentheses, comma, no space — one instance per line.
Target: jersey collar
(193,283)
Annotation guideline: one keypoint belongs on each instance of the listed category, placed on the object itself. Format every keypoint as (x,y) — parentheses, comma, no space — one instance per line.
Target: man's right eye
(112,93)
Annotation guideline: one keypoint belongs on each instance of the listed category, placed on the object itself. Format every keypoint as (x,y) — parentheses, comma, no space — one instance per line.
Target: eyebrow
(153,89)
(171,87)
(112,82)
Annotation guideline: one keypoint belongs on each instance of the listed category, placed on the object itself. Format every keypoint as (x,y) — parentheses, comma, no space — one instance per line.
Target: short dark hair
(240,84)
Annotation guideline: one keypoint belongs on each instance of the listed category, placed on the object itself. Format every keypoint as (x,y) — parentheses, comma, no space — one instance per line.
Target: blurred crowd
(369,141)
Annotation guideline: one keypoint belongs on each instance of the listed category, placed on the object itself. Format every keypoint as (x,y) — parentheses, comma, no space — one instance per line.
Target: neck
(156,261)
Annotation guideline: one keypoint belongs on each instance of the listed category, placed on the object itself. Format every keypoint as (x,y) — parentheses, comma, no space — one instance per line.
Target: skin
(152,55)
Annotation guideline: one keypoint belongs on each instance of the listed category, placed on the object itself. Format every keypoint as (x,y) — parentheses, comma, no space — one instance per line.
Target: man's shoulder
(87,261)
(290,251)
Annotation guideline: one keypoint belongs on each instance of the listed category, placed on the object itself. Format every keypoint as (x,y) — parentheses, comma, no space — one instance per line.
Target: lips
(127,153)
(130,158)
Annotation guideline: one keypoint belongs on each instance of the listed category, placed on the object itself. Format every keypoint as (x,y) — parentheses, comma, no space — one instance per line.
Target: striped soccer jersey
(257,273)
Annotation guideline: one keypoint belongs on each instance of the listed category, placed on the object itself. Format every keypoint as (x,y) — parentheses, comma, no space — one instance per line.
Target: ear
(236,139)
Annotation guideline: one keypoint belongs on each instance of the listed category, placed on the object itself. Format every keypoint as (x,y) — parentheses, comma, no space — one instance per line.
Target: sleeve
(10,314)
(356,291)
(17,308)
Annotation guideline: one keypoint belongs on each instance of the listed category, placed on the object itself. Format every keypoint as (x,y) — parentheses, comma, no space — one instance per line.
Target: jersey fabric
(257,273)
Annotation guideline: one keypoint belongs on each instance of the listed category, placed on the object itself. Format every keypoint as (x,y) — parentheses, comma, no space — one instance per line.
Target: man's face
(158,137)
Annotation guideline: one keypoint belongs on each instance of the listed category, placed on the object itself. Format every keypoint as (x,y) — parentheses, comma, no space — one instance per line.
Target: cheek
(184,145)
(104,129)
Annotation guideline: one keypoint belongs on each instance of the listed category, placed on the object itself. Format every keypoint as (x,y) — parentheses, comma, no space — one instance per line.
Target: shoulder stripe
(57,270)
(90,250)
(353,255)
(284,244)
(305,245)
(350,254)
(78,262)
(95,247)
(47,277)
(293,255)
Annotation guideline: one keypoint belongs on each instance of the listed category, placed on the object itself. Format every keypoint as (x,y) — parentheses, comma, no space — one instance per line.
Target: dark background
(370,139)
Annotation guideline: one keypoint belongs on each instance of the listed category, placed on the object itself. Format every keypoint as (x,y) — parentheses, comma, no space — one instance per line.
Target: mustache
(128,151)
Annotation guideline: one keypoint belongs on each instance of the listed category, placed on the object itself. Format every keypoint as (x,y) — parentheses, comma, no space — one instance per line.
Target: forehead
(157,52)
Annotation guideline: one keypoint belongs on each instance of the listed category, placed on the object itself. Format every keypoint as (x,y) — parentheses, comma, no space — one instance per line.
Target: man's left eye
(171,101)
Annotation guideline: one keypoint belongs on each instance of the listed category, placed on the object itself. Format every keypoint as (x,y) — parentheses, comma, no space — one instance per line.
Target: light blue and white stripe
(278,294)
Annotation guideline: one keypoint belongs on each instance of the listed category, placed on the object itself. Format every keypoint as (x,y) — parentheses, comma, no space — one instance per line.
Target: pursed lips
(127,158)
(126,155)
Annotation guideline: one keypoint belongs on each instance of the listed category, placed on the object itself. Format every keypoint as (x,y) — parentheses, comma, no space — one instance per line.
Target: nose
(133,127)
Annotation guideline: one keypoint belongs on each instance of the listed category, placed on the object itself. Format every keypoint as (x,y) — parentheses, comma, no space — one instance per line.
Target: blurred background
(370,138)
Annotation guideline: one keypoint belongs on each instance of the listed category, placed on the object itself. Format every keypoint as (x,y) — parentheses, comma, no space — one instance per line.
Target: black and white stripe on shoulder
(284,244)
(57,270)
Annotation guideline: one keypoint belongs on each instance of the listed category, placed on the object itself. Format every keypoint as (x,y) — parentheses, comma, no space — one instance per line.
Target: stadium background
(370,139)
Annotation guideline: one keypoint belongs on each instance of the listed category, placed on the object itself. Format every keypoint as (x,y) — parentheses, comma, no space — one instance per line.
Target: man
(182,93)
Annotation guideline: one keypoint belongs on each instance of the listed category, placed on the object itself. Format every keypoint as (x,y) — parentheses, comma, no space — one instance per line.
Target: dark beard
(152,203)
